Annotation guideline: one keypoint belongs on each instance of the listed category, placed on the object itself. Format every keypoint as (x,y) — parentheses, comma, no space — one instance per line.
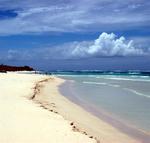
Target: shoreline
(37,92)
(100,130)
(37,103)
(130,130)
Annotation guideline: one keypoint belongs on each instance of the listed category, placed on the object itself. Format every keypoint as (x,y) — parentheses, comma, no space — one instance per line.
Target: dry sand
(50,99)
(32,110)
(23,121)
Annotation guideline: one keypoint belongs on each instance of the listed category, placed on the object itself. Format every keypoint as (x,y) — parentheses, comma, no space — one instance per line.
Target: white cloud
(106,45)
(37,16)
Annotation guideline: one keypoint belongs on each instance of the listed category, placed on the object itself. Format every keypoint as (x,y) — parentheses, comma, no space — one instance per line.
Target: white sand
(82,119)
(23,121)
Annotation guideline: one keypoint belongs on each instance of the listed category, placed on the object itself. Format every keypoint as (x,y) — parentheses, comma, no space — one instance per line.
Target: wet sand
(130,130)
(82,121)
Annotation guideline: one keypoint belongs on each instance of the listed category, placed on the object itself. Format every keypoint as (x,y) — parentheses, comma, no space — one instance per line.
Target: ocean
(121,98)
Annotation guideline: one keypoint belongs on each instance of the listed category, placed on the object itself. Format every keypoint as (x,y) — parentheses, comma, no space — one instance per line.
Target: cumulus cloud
(106,45)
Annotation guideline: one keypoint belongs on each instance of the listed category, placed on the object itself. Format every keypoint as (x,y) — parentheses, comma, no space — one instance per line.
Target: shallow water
(123,98)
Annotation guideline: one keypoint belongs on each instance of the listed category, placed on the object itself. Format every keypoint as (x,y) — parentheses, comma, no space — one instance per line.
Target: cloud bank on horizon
(106,45)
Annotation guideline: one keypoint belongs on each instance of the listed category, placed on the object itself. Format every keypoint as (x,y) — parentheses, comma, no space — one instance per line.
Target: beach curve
(51,99)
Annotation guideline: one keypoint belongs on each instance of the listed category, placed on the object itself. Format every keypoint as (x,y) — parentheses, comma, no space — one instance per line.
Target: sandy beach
(33,110)
(23,121)
(83,121)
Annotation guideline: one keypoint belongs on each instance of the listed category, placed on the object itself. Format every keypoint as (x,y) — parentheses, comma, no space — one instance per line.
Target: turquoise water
(124,98)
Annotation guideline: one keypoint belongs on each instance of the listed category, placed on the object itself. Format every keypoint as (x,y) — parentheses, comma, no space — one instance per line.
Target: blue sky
(68,34)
